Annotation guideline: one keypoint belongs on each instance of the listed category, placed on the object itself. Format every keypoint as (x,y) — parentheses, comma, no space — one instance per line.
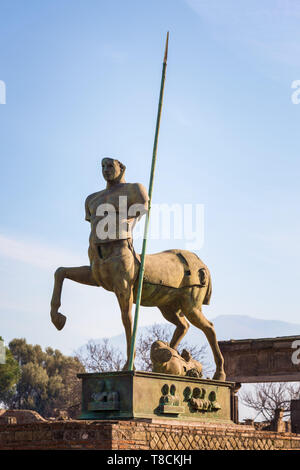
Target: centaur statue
(175,281)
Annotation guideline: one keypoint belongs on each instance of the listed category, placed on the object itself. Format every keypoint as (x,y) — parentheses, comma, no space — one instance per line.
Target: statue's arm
(87,208)
(87,212)
(141,198)
(142,194)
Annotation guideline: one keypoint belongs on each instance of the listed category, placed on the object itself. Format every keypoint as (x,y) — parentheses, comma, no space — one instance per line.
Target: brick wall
(140,434)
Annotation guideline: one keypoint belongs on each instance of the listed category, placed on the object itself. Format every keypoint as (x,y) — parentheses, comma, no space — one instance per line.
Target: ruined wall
(19,417)
(121,435)
(261,360)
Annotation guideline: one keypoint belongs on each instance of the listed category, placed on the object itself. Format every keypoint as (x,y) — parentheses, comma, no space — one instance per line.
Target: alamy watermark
(167,222)
(2,352)
(296,353)
(2,92)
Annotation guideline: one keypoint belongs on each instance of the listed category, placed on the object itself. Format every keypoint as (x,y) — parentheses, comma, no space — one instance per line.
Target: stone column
(234,403)
(295,416)
(278,424)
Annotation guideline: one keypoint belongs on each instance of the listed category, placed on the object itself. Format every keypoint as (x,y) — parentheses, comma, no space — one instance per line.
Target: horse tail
(206,299)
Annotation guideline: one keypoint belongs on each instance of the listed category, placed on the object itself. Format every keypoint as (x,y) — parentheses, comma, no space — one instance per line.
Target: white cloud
(113,53)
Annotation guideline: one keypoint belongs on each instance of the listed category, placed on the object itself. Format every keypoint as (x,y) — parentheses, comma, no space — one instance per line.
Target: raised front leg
(81,274)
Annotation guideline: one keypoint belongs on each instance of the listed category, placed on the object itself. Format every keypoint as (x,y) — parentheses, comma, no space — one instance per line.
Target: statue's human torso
(112,212)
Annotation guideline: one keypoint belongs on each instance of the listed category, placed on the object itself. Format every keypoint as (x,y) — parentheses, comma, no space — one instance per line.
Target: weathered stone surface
(295,415)
(20,417)
(260,360)
(142,434)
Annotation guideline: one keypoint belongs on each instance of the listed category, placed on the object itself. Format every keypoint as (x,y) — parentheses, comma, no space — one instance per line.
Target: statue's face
(110,169)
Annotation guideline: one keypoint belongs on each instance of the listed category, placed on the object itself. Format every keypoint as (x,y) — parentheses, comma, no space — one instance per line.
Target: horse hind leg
(196,317)
(178,319)
(81,274)
(193,312)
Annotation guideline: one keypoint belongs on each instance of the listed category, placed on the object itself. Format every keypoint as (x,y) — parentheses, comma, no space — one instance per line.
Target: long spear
(142,267)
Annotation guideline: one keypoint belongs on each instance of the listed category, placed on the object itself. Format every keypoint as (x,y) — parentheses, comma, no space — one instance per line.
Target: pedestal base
(132,394)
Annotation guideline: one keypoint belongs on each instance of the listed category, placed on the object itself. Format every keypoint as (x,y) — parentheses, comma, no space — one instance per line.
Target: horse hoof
(219,376)
(58,320)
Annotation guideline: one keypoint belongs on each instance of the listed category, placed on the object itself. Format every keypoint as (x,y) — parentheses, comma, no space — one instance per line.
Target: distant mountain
(244,327)
(230,327)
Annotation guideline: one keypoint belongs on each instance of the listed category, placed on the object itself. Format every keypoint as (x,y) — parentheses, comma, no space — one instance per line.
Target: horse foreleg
(196,317)
(81,274)
(125,299)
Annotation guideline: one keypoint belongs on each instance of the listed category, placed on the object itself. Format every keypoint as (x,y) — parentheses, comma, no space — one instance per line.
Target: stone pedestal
(132,394)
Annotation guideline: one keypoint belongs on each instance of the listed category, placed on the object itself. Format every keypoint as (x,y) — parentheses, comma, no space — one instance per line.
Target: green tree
(10,373)
(48,380)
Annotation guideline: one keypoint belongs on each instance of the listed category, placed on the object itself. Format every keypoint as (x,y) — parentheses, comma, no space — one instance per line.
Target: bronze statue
(166,360)
(175,281)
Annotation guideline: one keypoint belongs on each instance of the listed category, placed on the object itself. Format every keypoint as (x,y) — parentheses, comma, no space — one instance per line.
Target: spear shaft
(142,267)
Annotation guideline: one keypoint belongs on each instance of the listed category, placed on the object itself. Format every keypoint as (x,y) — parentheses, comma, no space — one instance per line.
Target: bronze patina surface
(175,281)
(136,394)
(167,360)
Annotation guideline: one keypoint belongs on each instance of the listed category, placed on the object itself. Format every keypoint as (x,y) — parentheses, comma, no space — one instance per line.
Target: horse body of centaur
(175,281)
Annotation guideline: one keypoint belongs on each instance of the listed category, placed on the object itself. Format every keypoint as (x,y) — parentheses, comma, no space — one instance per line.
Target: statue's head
(112,169)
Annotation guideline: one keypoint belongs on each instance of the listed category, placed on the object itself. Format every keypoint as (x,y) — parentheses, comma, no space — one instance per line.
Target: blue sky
(82,81)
